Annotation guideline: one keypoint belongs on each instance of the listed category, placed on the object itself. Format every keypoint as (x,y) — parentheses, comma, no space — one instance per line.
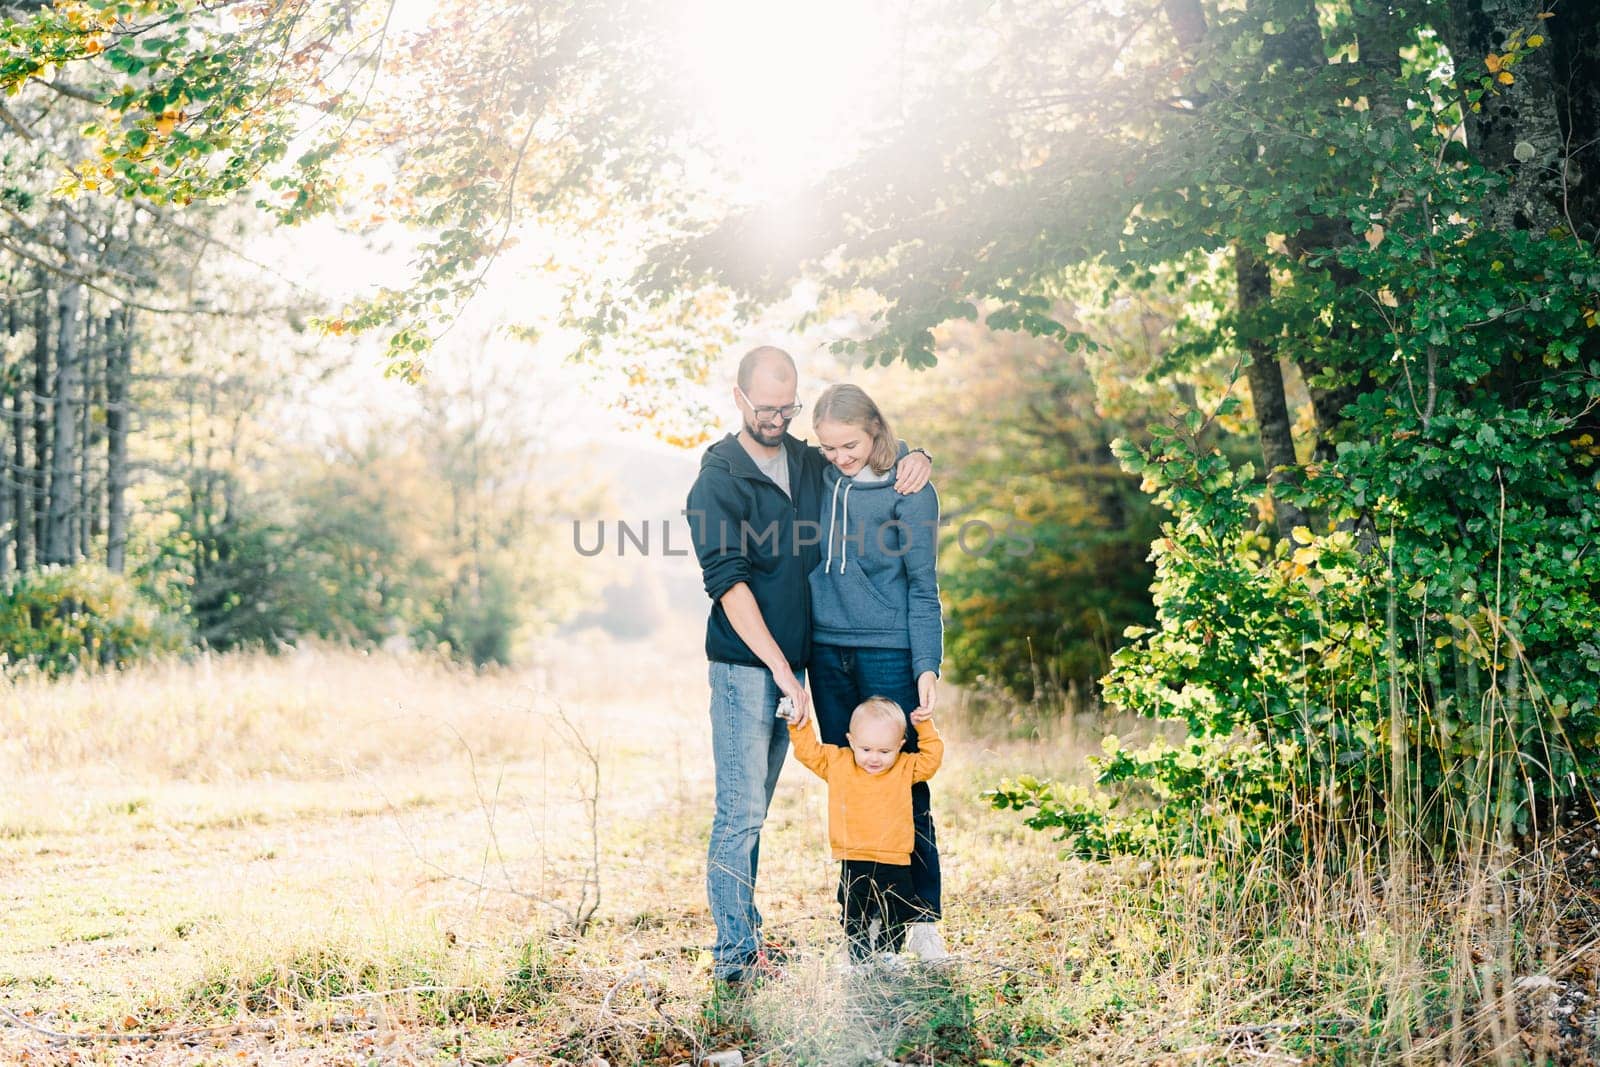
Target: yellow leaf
(1387,298)
(1535,41)
(1301,535)
(1305,556)
(1505,77)
(1374,235)
(1493,62)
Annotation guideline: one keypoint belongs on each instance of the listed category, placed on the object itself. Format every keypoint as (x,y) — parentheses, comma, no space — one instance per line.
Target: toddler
(869,814)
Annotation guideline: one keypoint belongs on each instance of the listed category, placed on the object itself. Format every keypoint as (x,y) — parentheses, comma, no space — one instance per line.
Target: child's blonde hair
(877,709)
(850,405)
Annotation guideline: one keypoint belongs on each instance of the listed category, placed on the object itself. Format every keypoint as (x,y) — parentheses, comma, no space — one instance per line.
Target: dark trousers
(868,890)
(841,678)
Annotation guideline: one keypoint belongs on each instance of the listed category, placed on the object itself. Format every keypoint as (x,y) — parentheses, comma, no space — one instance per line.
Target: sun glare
(784,86)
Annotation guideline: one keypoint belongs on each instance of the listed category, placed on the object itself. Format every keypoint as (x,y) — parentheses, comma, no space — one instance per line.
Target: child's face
(876,745)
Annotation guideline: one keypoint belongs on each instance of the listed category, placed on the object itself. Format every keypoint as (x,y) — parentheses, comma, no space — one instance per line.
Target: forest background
(1271,323)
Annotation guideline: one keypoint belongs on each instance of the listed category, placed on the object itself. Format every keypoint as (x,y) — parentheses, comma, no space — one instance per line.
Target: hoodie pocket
(858,576)
(849,601)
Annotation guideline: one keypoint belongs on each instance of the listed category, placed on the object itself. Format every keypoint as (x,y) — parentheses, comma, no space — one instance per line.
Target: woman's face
(846,447)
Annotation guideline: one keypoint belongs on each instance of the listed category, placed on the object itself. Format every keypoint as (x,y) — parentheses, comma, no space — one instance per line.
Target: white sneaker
(889,962)
(924,941)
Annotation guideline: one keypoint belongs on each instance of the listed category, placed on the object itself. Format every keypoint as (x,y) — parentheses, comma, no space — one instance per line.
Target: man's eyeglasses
(766,412)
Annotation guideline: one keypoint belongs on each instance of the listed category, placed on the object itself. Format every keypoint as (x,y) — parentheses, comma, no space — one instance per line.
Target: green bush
(1415,657)
(1364,677)
(57,619)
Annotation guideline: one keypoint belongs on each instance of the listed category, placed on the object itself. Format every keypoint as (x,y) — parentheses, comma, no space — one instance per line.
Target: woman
(876,626)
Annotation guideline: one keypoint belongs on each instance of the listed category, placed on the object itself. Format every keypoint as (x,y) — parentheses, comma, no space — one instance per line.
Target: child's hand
(922,715)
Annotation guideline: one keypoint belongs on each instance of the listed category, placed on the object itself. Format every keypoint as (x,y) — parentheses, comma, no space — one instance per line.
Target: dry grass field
(326,857)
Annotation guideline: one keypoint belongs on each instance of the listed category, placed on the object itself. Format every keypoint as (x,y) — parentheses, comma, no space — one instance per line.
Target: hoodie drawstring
(828,567)
(844,549)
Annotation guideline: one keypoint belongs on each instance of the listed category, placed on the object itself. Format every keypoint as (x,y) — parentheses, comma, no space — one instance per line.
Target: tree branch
(73,91)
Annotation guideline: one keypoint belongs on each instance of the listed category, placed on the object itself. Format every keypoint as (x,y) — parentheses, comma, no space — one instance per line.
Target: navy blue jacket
(746,530)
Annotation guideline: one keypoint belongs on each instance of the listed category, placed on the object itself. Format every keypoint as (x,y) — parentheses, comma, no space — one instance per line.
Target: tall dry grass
(343,845)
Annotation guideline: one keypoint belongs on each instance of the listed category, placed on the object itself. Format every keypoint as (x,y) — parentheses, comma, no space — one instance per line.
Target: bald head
(767,361)
(765,395)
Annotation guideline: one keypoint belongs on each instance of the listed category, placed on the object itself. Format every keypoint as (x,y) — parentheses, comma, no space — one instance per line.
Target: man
(753,518)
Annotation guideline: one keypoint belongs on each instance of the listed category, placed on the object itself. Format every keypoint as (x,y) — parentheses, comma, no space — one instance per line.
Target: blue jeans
(748,745)
(841,678)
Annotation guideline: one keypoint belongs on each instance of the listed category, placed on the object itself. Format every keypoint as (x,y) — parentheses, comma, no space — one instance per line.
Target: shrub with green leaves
(1430,659)
(57,619)
(1395,629)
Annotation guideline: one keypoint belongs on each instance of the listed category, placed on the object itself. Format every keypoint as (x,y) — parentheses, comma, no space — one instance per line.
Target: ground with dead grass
(325,857)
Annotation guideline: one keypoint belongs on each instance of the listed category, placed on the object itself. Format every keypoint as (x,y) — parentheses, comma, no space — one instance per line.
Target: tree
(1428,274)
(1393,204)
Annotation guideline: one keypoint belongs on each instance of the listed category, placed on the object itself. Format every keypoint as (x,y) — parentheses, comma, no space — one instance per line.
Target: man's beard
(769,436)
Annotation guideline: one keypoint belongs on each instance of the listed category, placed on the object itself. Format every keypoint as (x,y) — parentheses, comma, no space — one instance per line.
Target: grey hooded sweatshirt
(877,586)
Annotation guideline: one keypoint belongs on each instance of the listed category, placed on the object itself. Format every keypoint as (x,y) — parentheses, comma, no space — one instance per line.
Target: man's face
(767,391)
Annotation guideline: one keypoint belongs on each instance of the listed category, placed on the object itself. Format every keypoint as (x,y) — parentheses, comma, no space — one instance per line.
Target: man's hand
(798,696)
(912,473)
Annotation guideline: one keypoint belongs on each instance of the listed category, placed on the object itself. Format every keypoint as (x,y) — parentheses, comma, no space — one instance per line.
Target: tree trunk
(43,410)
(21,479)
(83,505)
(58,544)
(1575,55)
(119,360)
(7,519)
(1517,130)
(1295,45)
(94,494)
(1297,42)
(1188,21)
(1265,375)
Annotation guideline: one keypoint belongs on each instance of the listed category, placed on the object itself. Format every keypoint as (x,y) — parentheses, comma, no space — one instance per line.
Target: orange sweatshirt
(869,815)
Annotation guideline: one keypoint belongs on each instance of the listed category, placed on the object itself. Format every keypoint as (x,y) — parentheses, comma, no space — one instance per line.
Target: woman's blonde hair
(850,405)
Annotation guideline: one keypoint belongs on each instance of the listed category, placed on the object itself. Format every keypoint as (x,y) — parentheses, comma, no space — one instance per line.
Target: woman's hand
(928,690)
